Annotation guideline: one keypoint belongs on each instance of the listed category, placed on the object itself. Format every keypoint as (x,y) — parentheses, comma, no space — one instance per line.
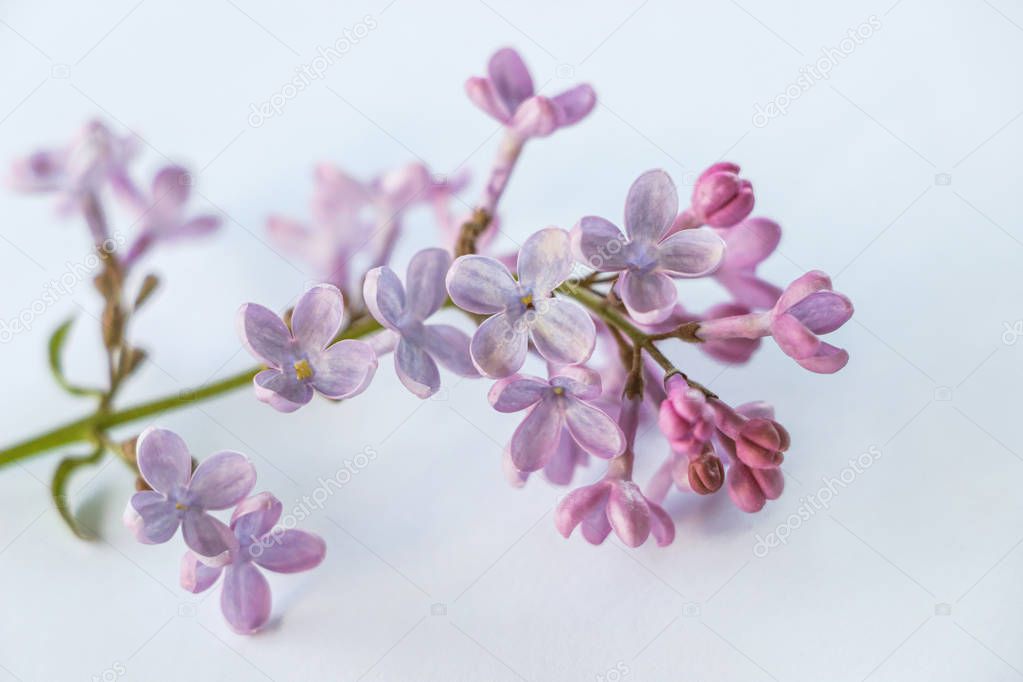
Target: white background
(911,573)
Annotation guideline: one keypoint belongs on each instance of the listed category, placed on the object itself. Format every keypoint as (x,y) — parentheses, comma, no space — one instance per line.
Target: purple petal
(748,290)
(510,78)
(283,392)
(661,525)
(563,332)
(545,261)
(580,504)
(823,311)
(579,381)
(536,117)
(650,207)
(827,359)
(691,253)
(264,334)
(245,598)
(573,105)
(629,513)
(289,551)
(793,337)
(196,576)
(425,282)
(596,527)
(196,227)
(416,369)
(815,280)
(345,369)
(536,438)
(384,296)
(450,347)
(649,297)
(481,92)
(255,516)
(600,244)
(593,430)
(221,481)
(158,517)
(567,457)
(498,348)
(317,317)
(750,242)
(516,392)
(208,537)
(163,459)
(171,187)
(480,284)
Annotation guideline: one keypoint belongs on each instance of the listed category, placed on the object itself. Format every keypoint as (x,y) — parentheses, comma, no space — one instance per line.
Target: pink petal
(815,280)
(289,551)
(384,296)
(593,430)
(536,438)
(545,261)
(284,393)
(450,347)
(827,359)
(691,253)
(516,392)
(600,244)
(480,284)
(573,105)
(208,537)
(579,504)
(743,488)
(196,227)
(823,311)
(425,282)
(345,369)
(255,516)
(222,480)
(498,348)
(750,242)
(158,517)
(629,513)
(416,369)
(649,296)
(771,482)
(562,332)
(651,206)
(595,527)
(245,598)
(196,576)
(536,117)
(264,334)
(661,525)
(793,337)
(748,290)
(317,317)
(510,78)
(163,459)
(561,467)
(171,187)
(481,92)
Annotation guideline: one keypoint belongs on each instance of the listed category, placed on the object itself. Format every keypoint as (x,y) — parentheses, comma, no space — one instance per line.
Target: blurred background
(892,171)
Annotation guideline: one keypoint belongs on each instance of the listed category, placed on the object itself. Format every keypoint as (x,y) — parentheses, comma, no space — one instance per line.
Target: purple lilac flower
(808,307)
(162,214)
(181,497)
(558,404)
(245,598)
(303,359)
(522,311)
(646,259)
(508,95)
(420,346)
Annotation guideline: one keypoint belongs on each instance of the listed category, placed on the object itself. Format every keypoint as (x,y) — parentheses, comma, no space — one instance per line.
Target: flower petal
(317,317)
(661,525)
(384,296)
(628,513)
(283,392)
(579,381)
(516,392)
(822,311)
(793,337)
(264,334)
(163,459)
(545,261)
(573,105)
(425,282)
(562,332)
(750,242)
(498,348)
(691,253)
(255,516)
(510,78)
(815,280)
(649,297)
(416,369)
(593,430)
(345,369)
(579,504)
(208,537)
(744,489)
(450,347)
(600,244)
(651,206)
(222,480)
(171,187)
(480,284)
(289,551)
(827,359)
(245,598)
(561,467)
(481,92)
(196,576)
(536,438)
(748,290)
(158,518)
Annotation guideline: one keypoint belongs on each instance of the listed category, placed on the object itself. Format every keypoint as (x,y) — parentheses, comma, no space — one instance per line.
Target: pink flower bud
(706,473)
(685,418)
(721,198)
(759,441)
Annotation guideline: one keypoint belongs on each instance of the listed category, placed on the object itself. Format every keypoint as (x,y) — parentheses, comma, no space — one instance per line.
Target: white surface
(850,172)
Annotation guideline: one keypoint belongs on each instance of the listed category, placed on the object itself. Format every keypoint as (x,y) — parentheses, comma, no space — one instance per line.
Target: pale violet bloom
(181,497)
(405,309)
(524,310)
(561,403)
(646,258)
(304,359)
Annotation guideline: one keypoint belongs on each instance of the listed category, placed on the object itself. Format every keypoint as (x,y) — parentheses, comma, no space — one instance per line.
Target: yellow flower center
(179,506)
(527,300)
(559,390)
(303,371)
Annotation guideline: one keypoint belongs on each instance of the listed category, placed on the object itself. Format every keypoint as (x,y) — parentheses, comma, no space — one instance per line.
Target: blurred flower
(746,246)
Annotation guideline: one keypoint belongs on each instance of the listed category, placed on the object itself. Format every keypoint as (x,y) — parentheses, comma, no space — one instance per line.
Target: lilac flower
(508,96)
(555,405)
(759,441)
(245,598)
(162,215)
(420,346)
(720,199)
(750,487)
(808,307)
(522,311)
(647,260)
(746,246)
(304,359)
(685,417)
(181,497)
